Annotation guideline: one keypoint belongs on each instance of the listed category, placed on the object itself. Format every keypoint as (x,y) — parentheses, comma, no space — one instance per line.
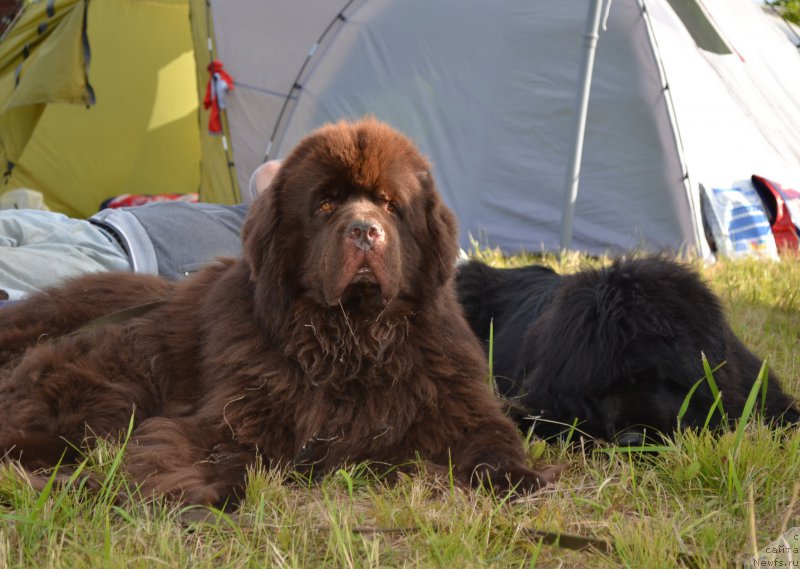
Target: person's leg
(39,249)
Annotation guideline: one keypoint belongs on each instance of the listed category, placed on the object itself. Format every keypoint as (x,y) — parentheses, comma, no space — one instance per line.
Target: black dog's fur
(617,348)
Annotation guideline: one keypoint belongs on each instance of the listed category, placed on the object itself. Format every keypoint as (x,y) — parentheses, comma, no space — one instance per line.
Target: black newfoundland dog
(336,339)
(617,349)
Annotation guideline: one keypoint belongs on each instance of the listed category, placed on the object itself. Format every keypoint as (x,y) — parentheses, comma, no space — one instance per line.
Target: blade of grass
(712,384)
(637,449)
(687,400)
(490,379)
(712,409)
(571,431)
(70,483)
(747,411)
(734,484)
(111,476)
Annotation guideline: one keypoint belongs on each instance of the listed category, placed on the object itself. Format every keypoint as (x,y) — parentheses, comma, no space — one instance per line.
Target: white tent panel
(735,120)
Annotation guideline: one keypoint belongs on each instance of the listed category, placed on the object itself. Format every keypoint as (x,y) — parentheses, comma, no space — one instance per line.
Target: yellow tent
(100,98)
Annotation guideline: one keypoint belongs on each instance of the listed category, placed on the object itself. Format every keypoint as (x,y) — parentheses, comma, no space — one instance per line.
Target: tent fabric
(738,114)
(43,62)
(487,90)
(141,136)
(263,45)
(218,181)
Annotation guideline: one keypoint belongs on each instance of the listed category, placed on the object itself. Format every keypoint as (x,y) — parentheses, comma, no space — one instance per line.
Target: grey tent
(684,93)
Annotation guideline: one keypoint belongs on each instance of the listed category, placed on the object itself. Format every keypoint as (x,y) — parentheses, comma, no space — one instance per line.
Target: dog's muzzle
(364,233)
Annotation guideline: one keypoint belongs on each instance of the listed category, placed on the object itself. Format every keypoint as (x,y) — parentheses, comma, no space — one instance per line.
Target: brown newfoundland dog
(336,339)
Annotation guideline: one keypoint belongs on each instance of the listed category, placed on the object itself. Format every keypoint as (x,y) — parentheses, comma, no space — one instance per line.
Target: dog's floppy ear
(261,248)
(259,229)
(443,231)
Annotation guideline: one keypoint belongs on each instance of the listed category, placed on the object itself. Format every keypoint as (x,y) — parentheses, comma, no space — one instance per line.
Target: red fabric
(783,228)
(212,101)
(128,200)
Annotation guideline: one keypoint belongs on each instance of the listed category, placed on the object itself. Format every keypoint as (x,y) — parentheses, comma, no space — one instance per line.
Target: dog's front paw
(504,478)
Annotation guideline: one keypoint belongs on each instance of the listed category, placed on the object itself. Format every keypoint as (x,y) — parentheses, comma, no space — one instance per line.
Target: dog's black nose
(631,436)
(364,233)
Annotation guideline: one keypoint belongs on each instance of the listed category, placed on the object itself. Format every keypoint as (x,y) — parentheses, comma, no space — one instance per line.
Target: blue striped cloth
(745,222)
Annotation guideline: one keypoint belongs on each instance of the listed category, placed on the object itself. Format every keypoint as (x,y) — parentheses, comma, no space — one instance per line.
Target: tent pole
(582,106)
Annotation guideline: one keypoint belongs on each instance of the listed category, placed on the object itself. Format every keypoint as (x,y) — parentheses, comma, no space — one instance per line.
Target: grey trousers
(39,249)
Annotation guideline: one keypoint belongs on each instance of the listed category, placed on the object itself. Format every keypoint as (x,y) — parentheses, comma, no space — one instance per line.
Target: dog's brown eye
(391,207)
(326,206)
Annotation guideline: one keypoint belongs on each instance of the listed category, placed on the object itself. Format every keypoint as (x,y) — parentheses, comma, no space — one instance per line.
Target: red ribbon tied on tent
(218,86)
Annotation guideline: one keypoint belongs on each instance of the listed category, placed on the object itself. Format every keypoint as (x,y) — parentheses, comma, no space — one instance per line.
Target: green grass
(703,501)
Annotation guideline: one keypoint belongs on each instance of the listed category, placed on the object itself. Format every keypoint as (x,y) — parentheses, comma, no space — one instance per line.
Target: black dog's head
(622,345)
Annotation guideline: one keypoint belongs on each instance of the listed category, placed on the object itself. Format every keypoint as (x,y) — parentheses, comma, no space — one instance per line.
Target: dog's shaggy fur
(617,348)
(336,339)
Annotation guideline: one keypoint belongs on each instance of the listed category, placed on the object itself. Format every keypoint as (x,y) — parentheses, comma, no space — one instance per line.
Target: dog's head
(353,217)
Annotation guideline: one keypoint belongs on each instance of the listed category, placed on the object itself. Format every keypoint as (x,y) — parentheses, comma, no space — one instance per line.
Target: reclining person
(39,249)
